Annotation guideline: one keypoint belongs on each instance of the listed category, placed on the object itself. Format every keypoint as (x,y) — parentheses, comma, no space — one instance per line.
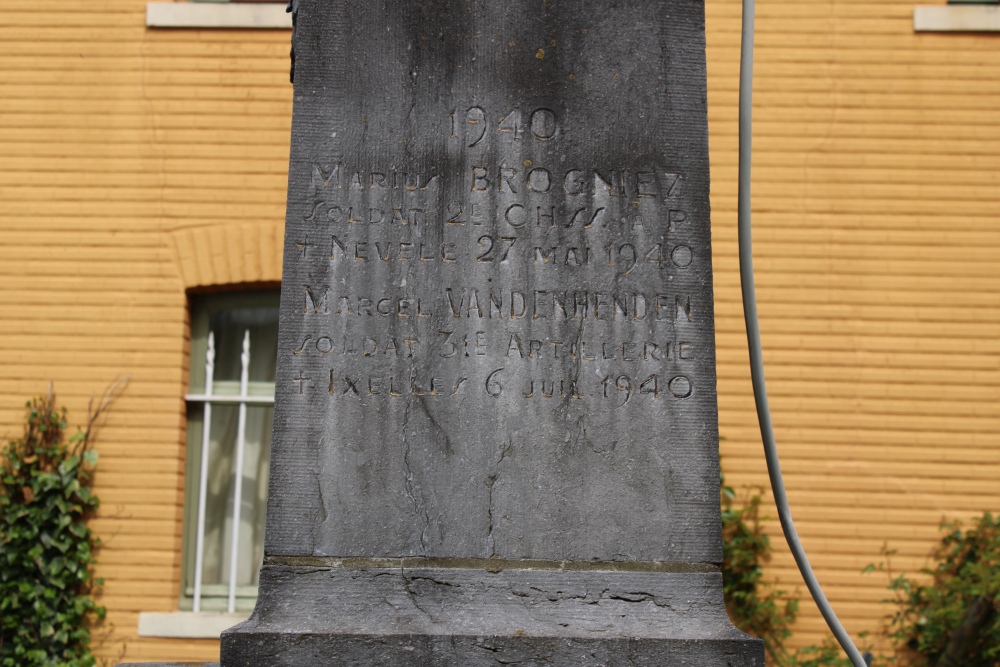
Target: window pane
(229,318)
(229,327)
(221,486)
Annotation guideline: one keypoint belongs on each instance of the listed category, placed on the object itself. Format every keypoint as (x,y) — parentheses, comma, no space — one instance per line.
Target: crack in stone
(577,366)
(413,106)
(409,486)
(487,647)
(630,649)
(422,401)
(413,596)
(632,597)
(496,653)
(552,596)
(424,577)
(600,596)
(581,432)
(324,512)
(639,596)
(490,482)
(408,581)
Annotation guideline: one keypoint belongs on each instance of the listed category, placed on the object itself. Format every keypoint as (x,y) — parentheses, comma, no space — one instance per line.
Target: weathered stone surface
(463,616)
(283,650)
(495,423)
(465,601)
(418,615)
(497,334)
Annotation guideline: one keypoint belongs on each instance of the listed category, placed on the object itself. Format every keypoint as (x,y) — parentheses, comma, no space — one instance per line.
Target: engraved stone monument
(495,436)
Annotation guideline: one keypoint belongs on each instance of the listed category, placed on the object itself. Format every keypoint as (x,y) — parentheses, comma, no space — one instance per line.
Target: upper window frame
(253,15)
(957,17)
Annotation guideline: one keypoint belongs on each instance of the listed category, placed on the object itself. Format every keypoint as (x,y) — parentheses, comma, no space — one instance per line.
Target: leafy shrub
(753,608)
(953,617)
(827,654)
(46,548)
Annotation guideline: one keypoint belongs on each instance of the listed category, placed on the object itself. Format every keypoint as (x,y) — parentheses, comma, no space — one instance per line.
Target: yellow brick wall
(138,164)
(134,164)
(877,245)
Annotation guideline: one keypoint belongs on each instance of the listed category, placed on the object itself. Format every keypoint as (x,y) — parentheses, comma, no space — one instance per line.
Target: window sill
(217,15)
(187,624)
(957,18)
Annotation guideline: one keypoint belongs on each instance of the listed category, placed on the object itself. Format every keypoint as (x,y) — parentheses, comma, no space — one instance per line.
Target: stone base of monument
(467,617)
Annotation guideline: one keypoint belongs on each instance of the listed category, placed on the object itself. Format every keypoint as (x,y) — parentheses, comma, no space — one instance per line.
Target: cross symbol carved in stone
(305,245)
(301,379)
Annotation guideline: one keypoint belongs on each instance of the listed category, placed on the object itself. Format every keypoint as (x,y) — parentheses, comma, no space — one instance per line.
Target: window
(229,406)
(958,16)
(218,14)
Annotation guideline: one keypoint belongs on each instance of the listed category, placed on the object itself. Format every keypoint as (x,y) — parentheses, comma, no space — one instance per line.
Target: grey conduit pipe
(753,341)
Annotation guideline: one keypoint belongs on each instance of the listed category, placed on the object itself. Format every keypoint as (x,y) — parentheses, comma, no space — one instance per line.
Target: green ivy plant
(951,616)
(753,606)
(46,547)
(760,611)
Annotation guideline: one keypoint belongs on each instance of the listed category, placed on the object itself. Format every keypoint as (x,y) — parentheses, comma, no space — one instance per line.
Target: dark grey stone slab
(466,601)
(464,616)
(281,650)
(495,428)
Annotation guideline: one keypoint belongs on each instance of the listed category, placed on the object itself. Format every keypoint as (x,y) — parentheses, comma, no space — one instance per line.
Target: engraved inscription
(563,268)
(474,125)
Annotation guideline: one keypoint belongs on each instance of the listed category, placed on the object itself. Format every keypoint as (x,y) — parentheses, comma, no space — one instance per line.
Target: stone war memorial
(496,435)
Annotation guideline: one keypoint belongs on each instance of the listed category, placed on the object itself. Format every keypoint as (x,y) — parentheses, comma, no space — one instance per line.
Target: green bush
(46,548)
(952,617)
(755,608)
(827,654)
(948,618)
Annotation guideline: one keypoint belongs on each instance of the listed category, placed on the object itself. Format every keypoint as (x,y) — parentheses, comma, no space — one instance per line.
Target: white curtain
(228,328)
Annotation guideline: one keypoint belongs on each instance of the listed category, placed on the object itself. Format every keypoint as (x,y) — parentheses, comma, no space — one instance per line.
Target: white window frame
(264,15)
(957,17)
(204,394)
